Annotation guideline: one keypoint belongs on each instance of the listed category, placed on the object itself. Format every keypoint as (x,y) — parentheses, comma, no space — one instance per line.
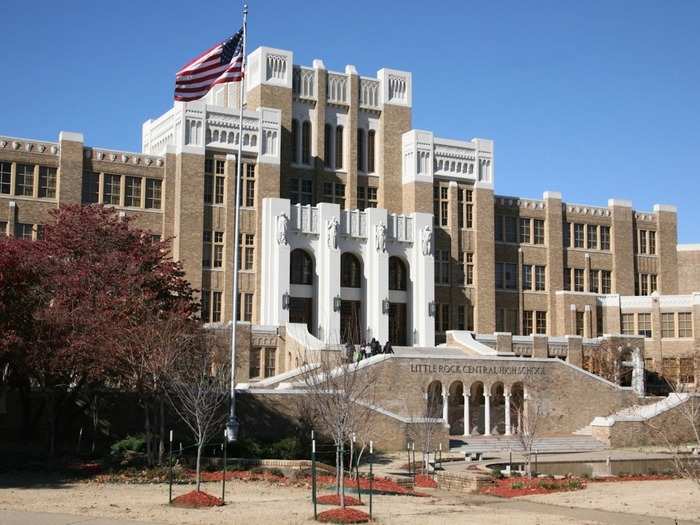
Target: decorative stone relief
(332,225)
(282,229)
(380,237)
(427,240)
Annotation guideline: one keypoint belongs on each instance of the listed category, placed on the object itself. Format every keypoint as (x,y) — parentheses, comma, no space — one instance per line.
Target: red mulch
(242,475)
(379,486)
(345,515)
(197,499)
(425,482)
(514,487)
(334,499)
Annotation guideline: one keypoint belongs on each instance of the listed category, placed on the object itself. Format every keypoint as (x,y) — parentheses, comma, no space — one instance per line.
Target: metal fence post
(313,476)
(170,468)
(371,477)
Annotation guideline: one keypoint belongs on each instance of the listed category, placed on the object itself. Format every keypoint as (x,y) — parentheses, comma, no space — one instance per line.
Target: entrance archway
(517,407)
(301,277)
(398,292)
(434,400)
(455,405)
(498,402)
(476,408)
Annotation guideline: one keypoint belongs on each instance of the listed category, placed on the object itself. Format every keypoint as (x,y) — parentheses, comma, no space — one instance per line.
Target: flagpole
(232,424)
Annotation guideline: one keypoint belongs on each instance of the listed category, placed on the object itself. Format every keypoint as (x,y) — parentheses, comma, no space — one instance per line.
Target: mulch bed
(197,500)
(425,482)
(634,477)
(334,499)
(345,515)
(514,487)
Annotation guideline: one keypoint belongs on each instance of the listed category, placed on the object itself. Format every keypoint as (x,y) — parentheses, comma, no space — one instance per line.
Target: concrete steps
(543,445)
(583,431)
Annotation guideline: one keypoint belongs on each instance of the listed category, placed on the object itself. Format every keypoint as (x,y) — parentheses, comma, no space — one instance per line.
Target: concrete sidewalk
(12,517)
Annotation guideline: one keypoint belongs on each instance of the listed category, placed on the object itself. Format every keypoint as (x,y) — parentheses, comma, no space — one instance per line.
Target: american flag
(218,65)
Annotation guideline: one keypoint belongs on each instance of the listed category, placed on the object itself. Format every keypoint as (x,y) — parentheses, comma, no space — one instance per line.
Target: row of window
(213,250)
(333,154)
(215,183)
(675,369)
(534,322)
(28,232)
(262,360)
(599,281)
(465,319)
(645,284)
(300,190)
(30,180)
(212,306)
(538,272)
(522,230)
(122,190)
(673,324)
(646,242)
(588,236)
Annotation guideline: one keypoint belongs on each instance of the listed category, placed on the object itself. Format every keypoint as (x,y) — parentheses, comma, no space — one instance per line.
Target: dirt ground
(262,503)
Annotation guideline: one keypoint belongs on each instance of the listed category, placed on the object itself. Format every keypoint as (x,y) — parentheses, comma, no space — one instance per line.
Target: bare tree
(529,415)
(424,426)
(339,401)
(198,391)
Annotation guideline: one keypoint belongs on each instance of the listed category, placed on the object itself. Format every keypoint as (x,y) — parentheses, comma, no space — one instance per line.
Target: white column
(275,263)
(328,267)
(376,269)
(487,413)
(445,397)
(466,414)
(508,429)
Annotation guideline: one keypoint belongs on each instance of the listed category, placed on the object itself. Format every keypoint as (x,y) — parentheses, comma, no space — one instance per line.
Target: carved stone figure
(427,240)
(282,229)
(332,232)
(380,236)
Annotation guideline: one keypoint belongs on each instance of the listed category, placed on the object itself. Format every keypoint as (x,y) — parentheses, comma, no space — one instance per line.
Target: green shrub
(496,473)
(287,448)
(575,484)
(517,485)
(128,451)
(548,485)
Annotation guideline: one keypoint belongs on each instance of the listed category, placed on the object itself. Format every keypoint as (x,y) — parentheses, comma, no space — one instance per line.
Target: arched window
(306,142)
(370,151)
(339,148)
(327,137)
(295,140)
(397,274)
(350,271)
(301,268)
(360,149)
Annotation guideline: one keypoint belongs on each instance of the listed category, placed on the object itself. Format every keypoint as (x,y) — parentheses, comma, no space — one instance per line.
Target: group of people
(366,350)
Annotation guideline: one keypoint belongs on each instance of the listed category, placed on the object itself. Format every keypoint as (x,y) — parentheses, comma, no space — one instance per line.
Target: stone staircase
(543,445)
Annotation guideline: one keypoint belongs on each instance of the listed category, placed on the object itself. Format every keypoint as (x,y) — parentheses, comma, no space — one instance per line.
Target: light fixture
(432,308)
(385,306)
(337,303)
(285,301)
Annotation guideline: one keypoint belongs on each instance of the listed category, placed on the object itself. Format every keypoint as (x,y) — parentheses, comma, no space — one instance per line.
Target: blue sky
(595,99)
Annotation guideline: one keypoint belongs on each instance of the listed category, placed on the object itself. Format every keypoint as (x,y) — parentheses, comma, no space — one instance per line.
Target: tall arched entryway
(455,415)
(498,403)
(301,278)
(351,299)
(398,301)
(434,400)
(477,409)
(517,407)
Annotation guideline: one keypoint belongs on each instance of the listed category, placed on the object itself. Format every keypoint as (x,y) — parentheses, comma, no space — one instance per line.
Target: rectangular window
(153,193)
(567,235)
(327,145)
(112,189)
(24,231)
(460,207)
(360,149)
(24,180)
(206,306)
(270,355)
(670,369)
(47,182)
(644,324)
(540,278)
(246,254)
(361,202)
(300,191)
(254,366)
(511,229)
(216,307)
(371,197)
(3,228)
(539,231)
(578,280)
(652,283)
(579,323)
(442,267)
(592,237)
(652,243)
(567,279)
(524,230)
(207,239)
(578,235)
(370,151)
(668,326)
(461,319)
(338,148)
(213,249)
(247,300)
(469,269)
(527,322)
(249,176)
(627,324)
(498,232)
(685,324)
(605,237)
(443,207)
(687,370)
(132,195)
(208,189)
(295,141)
(643,284)
(642,241)
(445,318)
(91,187)
(340,195)
(527,277)
(506,276)
(5,177)
(605,281)
(541,323)
(593,277)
